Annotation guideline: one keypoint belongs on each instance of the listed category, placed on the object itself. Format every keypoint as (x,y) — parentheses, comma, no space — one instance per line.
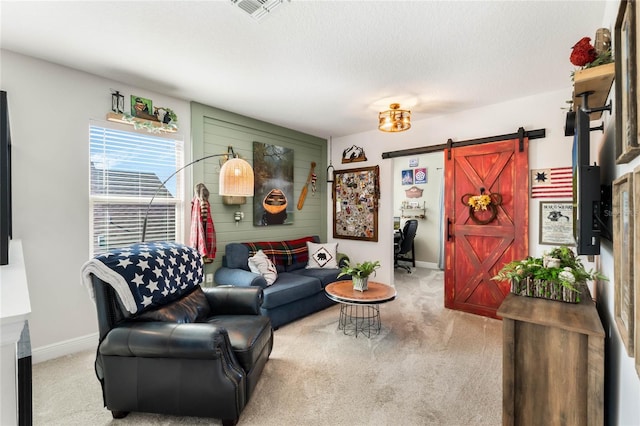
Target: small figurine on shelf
(165,115)
(117,102)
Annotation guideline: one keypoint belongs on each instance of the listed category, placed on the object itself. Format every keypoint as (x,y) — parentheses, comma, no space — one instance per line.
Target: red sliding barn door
(474,252)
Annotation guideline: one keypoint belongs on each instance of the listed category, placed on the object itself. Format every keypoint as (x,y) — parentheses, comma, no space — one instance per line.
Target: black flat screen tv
(5,180)
(586,191)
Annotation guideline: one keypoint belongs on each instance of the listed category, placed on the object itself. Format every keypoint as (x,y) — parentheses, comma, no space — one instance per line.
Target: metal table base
(359,319)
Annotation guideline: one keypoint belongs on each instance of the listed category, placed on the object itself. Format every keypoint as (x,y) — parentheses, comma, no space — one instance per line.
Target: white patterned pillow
(322,255)
(259,263)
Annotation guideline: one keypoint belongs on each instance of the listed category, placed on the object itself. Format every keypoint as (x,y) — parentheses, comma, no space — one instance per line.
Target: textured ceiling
(321,67)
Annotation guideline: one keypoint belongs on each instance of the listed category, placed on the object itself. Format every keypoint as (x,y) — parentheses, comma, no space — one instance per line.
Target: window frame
(143,201)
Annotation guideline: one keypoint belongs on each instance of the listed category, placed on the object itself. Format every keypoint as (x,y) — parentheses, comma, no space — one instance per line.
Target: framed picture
(623,258)
(556,223)
(420,176)
(407,177)
(636,274)
(355,203)
(626,81)
(142,108)
(273,202)
(413,162)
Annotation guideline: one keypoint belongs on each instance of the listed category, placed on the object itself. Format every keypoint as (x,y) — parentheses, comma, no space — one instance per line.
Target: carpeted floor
(428,366)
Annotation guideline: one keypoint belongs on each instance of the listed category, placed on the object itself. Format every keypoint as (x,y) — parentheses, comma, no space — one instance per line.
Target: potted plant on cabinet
(359,273)
(557,275)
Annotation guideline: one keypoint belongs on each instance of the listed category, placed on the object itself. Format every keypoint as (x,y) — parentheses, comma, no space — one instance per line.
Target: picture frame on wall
(636,274)
(623,259)
(273,200)
(626,81)
(142,108)
(407,177)
(556,223)
(355,203)
(420,176)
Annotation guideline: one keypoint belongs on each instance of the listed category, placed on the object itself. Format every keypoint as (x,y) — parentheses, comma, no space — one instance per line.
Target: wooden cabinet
(553,362)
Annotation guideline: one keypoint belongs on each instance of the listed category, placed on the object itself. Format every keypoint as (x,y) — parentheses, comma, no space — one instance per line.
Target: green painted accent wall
(212,131)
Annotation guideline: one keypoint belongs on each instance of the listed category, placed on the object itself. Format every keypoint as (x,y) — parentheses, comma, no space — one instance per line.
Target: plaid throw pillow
(282,253)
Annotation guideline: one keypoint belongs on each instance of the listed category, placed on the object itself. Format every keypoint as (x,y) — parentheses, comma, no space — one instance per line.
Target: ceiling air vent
(257,9)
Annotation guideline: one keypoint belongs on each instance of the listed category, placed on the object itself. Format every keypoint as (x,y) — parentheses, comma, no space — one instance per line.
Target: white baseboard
(428,265)
(66,347)
(421,264)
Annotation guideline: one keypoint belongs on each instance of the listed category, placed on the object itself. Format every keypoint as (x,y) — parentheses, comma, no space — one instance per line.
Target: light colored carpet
(428,366)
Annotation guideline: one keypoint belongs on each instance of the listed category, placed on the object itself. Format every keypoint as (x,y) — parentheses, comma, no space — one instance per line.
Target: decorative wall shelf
(414,212)
(148,124)
(597,80)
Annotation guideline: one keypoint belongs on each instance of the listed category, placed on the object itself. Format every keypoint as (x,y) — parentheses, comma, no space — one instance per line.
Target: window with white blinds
(127,170)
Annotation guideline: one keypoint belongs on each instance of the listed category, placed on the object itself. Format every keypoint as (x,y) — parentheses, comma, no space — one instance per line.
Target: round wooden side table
(360,310)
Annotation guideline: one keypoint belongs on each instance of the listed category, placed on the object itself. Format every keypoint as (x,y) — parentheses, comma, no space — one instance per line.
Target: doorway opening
(418,195)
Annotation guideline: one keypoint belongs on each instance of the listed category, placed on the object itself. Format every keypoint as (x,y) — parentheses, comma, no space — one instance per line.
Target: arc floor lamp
(236,179)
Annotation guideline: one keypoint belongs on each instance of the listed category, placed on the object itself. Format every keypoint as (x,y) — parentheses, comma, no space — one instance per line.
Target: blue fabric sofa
(297,292)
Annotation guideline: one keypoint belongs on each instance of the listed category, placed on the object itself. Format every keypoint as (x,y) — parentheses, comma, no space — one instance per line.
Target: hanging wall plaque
(355,203)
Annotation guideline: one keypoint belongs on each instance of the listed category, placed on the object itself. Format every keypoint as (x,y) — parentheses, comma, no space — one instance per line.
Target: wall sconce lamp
(236,179)
(394,119)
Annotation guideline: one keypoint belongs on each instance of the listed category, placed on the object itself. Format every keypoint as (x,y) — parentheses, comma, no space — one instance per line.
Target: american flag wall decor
(552,183)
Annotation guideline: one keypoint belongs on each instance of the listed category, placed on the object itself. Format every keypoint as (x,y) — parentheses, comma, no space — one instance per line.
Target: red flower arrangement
(583,52)
(584,55)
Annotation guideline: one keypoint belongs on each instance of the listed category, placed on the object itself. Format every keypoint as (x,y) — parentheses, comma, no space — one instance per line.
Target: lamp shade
(236,178)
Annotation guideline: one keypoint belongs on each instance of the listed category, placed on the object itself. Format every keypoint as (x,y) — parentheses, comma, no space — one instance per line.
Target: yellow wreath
(482,202)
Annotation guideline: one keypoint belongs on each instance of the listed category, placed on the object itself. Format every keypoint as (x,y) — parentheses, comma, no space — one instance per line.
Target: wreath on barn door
(480,203)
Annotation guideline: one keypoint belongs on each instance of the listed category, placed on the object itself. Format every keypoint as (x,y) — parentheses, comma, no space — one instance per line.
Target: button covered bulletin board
(355,203)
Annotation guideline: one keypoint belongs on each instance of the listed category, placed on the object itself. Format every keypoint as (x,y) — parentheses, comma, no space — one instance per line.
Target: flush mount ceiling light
(394,119)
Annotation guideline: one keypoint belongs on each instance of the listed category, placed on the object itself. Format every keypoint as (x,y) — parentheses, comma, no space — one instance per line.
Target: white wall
(535,112)
(50,107)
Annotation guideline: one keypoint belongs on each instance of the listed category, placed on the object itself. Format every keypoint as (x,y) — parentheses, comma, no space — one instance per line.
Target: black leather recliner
(199,355)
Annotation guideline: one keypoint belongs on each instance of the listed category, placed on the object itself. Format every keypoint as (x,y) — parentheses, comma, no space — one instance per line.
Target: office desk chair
(405,245)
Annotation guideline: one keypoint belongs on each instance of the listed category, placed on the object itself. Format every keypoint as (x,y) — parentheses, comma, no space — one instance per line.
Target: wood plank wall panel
(213,130)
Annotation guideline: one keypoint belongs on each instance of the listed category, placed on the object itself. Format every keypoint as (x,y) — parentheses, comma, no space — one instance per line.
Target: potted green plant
(359,273)
(557,275)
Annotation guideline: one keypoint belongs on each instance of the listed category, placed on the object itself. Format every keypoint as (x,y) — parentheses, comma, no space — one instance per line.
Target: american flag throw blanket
(147,274)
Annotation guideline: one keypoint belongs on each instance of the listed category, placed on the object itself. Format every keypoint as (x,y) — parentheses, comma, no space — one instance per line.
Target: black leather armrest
(234,300)
(166,340)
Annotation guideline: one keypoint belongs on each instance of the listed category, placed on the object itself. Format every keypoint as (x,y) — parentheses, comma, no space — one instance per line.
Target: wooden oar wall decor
(305,188)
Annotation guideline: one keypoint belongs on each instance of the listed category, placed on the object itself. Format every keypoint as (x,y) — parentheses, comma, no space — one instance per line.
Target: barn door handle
(449,236)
